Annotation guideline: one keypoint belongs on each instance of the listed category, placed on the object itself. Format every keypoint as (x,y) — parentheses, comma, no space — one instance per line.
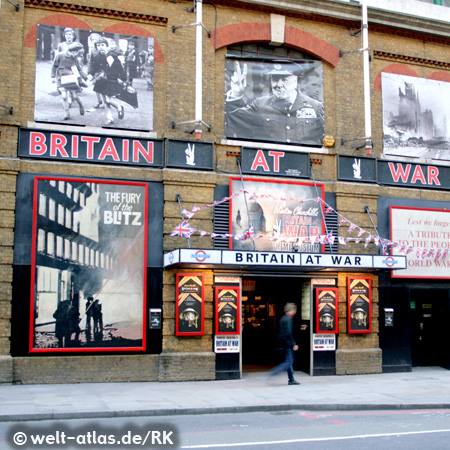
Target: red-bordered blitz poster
(327,310)
(227,310)
(359,305)
(190,304)
(89,265)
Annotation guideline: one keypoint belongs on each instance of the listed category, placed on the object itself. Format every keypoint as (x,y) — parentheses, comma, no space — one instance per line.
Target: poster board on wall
(228,310)
(111,78)
(428,232)
(284,213)
(359,297)
(277,101)
(89,259)
(415,117)
(190,304)
(327,310)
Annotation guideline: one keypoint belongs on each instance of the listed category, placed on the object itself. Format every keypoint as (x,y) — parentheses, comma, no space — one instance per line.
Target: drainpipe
(198,69)
(366,73)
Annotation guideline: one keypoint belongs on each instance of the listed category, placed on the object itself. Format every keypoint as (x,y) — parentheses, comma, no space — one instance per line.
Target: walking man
(287,341)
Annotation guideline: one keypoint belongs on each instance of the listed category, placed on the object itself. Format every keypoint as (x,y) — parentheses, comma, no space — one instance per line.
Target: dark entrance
(429,329)
(263,300)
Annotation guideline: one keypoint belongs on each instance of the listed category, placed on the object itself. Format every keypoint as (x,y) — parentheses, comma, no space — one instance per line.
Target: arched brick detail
(260,32)
(58,20)
(440,76)
(241,32)
(399,69)
(65,20)
(300,40)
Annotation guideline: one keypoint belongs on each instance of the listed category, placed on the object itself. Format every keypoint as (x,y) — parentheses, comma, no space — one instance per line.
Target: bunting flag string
(184,229)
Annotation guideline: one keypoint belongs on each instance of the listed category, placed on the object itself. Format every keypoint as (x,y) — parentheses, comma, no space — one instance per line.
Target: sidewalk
(424,388)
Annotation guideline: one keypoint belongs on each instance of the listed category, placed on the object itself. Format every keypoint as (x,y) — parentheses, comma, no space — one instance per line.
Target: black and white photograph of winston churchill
(268,102)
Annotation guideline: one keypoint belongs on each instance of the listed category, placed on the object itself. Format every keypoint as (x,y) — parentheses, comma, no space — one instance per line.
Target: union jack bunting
(183,230)
(326,238)
(249,234)
(187,213)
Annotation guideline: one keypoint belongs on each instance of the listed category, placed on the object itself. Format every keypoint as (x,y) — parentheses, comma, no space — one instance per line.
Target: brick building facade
(327,34)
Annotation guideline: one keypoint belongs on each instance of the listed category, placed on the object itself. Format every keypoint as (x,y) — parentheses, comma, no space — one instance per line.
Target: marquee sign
(281,259)
(190,154)
(91,148)
(275,162)
(393,173)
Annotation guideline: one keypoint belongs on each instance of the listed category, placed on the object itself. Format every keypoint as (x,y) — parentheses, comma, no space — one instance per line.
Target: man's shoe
(293,382)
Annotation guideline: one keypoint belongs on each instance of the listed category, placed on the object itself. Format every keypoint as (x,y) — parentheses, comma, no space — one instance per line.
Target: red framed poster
(327,310)
(89,265)
(190,304)
(228,310)
(359,305)
(426,231)
(284,213)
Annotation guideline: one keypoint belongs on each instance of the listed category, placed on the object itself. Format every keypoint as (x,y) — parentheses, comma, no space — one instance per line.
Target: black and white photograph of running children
(100,79)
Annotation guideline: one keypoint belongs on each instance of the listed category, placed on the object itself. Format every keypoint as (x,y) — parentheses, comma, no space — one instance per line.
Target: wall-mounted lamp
(14,4)
(9,108)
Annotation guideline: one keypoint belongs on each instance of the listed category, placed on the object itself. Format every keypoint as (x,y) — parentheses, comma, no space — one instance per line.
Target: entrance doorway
(263,300)
(430,331)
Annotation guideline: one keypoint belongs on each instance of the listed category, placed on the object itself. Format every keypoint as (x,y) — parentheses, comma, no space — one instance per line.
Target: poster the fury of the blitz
(88,283)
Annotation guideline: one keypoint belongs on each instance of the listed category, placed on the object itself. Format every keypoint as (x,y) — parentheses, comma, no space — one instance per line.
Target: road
(290,430)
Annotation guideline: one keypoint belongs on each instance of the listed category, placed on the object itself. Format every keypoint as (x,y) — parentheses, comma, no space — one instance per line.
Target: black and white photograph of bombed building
(416,115)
